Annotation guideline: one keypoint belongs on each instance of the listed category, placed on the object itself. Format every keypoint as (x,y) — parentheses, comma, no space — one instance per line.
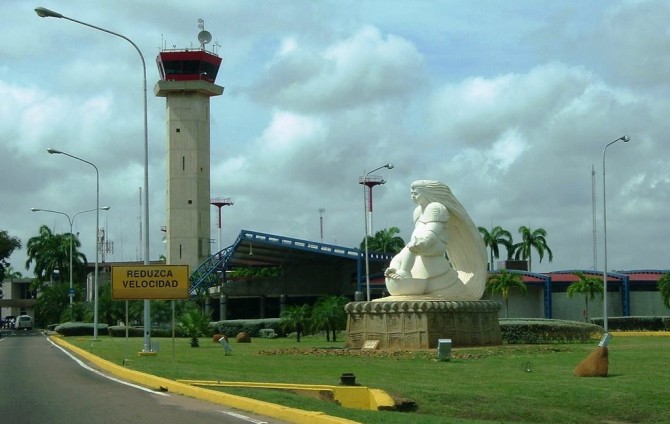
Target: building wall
(530,305)
(647,303)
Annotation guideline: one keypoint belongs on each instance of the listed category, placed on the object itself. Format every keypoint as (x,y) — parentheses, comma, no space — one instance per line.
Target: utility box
(444,349)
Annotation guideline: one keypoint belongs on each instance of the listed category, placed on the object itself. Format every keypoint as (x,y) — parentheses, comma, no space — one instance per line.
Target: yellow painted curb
(292,415)
(640,333)
(359,397)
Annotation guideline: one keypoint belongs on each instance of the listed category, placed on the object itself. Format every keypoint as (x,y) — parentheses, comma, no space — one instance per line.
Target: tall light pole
(365,208)
(97,226)
(625,139)
(220,202)
(71,221)
(46,13)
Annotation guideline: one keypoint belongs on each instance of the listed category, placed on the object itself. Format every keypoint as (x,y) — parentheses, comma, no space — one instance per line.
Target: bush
(267,333)
(120,331)
(538,331)
(635,323)
(79,328)
(253,327)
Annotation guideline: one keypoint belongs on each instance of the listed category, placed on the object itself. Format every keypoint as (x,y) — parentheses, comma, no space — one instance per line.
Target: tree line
(49,254)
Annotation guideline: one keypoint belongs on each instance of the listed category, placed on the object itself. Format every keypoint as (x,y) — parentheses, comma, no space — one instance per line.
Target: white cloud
(511,110)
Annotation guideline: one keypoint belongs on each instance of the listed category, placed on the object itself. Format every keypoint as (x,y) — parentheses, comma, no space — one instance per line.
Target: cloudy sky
(509,103)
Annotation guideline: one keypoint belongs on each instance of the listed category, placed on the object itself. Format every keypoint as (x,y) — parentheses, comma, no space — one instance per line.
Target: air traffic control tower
(187,83)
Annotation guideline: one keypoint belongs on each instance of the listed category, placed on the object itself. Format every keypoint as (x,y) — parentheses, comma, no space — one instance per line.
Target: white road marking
(243,417)
(109,377)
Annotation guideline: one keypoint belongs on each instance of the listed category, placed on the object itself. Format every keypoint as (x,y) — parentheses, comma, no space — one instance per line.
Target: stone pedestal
(418,323)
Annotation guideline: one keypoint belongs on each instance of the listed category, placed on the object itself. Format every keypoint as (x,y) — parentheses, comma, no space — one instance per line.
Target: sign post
(150,282)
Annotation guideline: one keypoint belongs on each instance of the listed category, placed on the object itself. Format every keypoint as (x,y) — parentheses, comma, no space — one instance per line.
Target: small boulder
(243,337)
(594,365)
(217,337)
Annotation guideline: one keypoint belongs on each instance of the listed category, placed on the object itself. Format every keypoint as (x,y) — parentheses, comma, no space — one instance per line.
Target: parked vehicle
(24,321)
(8,322)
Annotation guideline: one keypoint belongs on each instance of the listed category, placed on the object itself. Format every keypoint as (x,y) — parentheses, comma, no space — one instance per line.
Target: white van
(23,321)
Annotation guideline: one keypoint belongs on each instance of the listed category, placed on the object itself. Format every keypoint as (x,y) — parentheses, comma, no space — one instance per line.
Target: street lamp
(46,13)
(625,139)
(365,207)
(71,221)
(97,226)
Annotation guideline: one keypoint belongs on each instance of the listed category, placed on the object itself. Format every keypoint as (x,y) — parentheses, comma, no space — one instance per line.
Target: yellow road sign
(155,282)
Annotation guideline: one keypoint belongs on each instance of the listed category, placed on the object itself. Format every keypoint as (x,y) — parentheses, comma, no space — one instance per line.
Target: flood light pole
(97,227)
(365,207)
(625,139)
(46,13)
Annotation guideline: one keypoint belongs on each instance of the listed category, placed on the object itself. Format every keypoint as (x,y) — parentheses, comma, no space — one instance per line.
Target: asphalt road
(40,383)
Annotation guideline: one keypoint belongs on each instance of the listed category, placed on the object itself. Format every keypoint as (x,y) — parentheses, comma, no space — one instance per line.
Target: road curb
(292,415)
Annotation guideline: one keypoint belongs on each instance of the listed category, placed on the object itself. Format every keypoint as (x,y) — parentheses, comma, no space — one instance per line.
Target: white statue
(446,256)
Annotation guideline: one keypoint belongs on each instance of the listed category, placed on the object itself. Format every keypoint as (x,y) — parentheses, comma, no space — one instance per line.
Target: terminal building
(302,271)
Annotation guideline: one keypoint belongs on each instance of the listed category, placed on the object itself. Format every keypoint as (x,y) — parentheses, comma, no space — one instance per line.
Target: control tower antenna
(204,37)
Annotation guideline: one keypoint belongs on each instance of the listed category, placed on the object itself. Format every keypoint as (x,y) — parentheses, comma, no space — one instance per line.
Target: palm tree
(502,282)
(296,318)
(329,315)
(7,245)
(195,323)
(11,273)
(493,239)
(532,239)
(664,288)
(386,241)
(588,286)
(51,252)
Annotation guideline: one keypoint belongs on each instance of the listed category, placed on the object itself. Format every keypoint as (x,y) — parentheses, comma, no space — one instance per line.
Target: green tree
(664,288)
(50,252)
(588,286)
(195,323)
(329,315)
(502,282)
(532,239)
(8,245)
(296,318)
(387,241)
(11,273)
(498,236)
(52,304)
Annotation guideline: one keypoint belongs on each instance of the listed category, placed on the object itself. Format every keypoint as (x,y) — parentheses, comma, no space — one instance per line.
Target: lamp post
(97,226)
(46,13)
(365,208)
(625,139)
(71,221)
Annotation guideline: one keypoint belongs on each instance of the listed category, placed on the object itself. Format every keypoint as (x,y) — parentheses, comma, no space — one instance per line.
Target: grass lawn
(502,384)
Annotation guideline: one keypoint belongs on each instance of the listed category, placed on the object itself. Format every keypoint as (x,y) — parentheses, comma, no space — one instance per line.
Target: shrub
(537,331)
(635,323)
(267,333)
(253,327)
(120,331)
(138,331)
(79,328)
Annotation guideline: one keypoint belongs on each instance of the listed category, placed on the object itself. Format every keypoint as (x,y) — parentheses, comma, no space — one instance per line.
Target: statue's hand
(421,242)
(397,274)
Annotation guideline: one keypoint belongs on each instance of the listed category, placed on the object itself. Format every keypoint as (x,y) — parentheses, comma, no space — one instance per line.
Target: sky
(511,104)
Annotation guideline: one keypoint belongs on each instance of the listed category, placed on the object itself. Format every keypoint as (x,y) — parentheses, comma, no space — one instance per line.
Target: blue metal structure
(261,250)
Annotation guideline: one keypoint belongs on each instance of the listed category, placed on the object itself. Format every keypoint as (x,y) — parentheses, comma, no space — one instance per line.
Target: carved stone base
(419,323)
